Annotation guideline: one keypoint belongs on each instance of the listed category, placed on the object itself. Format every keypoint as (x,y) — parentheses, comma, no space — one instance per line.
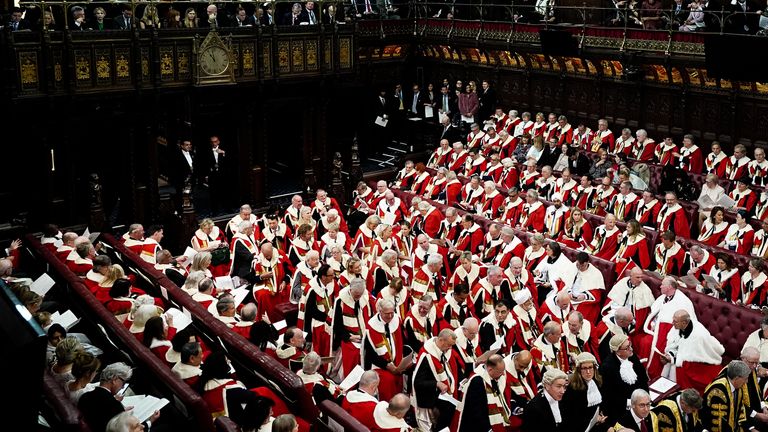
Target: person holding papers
(434,385)
(351,312)
(99,405)
(384,347)
(485,406)
(545,412)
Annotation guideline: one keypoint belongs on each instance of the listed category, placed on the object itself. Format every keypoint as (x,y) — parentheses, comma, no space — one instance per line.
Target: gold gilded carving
(82,68)
(183,59)
(102,68)
(311,49)
(122,67)
(267,58)
(283,56)
(345,53)
(166,65)
(297,56)
(28,68)
(247,60)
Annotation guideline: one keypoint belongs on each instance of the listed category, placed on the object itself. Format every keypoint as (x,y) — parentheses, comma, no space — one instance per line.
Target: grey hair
(692,398)
(310,363)
(116,370)
(384,303)
(638,394)
(737,369)
(434,259)
(357,284)
(119,423)
(552,375)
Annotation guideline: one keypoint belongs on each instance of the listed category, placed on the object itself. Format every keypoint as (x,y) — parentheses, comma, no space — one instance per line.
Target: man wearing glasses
(623,373)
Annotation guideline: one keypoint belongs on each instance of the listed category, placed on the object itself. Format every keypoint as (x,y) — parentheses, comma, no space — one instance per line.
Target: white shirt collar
(554,406)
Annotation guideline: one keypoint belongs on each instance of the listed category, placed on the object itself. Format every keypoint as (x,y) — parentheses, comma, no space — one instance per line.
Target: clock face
(214,60)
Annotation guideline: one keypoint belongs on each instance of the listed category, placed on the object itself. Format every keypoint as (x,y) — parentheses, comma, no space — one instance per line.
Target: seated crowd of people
(462,327)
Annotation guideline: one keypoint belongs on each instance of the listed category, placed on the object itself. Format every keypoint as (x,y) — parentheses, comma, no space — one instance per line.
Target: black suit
(615,406)
(122,24)
(216,173)
(538,417)
(487,99)
(451,133)
(628,421)
(98,406)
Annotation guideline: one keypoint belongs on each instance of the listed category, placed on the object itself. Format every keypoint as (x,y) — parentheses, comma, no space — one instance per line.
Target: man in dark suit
(15,22)
(416,102)
(743,17)
(124,21)
(621,381)
(487,99)
(214,166)
(182,167)
(639,417)
(448,131)
(544,412)
(99,405)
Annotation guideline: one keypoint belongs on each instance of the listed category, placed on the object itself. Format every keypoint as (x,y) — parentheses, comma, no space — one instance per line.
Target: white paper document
(180,319)
(144,405)
(352,379)
(448,398)
(498,344)
(224,283)
(239,294)
(67,320)
(429,112)
(42,284)
(381,121)
(662,385)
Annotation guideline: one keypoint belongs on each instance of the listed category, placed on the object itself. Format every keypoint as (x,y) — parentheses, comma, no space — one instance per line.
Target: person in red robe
(360,403)
(485,406)
(389,416)
(383,351)
(672,217)
(669,256)
(737,165)
(533,214)
(351,312)
(550,349)
(644,148)
(580,336)
(690,157)
(272,271)
(633,249)
(471,237)
(666,151)
(510,247)
(577,232)
(716,161)
(605,240)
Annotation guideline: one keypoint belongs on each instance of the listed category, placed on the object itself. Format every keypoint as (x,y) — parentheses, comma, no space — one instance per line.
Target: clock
(214,60)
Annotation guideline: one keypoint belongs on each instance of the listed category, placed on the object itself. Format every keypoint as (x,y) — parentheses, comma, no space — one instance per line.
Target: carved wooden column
(96,220)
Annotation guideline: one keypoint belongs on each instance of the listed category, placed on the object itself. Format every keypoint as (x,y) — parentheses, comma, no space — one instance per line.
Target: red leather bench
(156,372)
